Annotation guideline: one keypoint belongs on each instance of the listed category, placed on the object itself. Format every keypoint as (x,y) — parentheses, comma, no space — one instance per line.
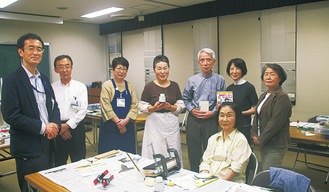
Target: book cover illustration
(224,96)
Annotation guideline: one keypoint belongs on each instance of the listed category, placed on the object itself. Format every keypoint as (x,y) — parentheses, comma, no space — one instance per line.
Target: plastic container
(159,184)
(323,131)
(162,98)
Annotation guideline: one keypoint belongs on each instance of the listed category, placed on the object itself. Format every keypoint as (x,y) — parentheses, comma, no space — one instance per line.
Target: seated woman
(227,154)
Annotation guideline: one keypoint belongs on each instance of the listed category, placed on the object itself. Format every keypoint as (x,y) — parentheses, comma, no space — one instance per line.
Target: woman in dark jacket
(271,123)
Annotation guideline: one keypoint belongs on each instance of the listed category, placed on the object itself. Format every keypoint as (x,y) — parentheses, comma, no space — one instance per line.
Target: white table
(79,176)
(4,153)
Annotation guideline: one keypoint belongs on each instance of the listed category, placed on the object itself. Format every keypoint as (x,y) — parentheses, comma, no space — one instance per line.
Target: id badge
(121,102)
(74,105)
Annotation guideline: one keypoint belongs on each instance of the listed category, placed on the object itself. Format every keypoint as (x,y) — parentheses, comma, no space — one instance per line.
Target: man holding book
(200,100)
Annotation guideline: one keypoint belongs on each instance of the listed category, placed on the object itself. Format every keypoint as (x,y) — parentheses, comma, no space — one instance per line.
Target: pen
(134,164)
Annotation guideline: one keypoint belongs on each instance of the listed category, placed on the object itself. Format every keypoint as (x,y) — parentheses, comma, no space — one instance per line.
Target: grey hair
(209,51)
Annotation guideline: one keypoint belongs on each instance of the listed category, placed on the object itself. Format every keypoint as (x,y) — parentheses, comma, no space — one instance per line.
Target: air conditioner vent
(122,16)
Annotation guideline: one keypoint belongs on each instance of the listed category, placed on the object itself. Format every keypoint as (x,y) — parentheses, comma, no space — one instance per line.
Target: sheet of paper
(79,176)
(185,182)
(307,133)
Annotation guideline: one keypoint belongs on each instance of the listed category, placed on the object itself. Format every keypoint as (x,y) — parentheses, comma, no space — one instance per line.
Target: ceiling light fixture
(28,17)
(102,12)
(5,3)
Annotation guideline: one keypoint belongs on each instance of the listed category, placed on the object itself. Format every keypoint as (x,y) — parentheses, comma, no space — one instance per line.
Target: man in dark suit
(30,108)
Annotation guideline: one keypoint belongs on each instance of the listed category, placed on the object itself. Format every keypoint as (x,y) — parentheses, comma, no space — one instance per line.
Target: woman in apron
(162,101)
(119,107)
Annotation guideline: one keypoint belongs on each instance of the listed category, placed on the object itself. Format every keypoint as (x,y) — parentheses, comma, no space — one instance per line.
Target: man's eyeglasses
(61,67)
(121,69)
(32,49)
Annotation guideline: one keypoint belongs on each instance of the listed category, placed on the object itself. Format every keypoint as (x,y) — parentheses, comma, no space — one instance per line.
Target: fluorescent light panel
(102,12)
(33,18)
(5,3)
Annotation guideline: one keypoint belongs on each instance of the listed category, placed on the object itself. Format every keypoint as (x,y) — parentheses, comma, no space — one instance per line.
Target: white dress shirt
(40,96)
(72,100)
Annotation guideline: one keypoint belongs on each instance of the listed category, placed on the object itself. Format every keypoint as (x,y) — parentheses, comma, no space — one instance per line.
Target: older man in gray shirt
(201,90)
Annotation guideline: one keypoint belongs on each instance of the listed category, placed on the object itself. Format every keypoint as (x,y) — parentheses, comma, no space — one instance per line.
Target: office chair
(312,120)
(252,168)
(263,179)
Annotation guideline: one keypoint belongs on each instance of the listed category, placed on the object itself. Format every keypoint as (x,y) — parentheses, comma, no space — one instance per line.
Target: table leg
(95,128)
(135,129)
(29,187)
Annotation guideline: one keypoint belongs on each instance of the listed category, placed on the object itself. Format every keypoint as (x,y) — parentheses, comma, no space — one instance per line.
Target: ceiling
(71,10)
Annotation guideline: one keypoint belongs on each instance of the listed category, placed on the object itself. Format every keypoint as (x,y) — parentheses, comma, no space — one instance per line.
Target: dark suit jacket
(20,110)
(273,119)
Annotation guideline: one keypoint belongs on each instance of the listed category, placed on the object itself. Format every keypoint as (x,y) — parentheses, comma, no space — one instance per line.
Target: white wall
(81,41)
(178,47)
(239,36)
(312,61)
(133,51)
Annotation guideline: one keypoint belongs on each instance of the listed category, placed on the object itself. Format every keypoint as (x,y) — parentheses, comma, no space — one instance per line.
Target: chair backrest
(312,120)
(262,179)
(252,168)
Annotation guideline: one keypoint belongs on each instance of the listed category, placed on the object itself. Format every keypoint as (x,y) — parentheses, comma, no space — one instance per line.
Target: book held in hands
(224,96)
